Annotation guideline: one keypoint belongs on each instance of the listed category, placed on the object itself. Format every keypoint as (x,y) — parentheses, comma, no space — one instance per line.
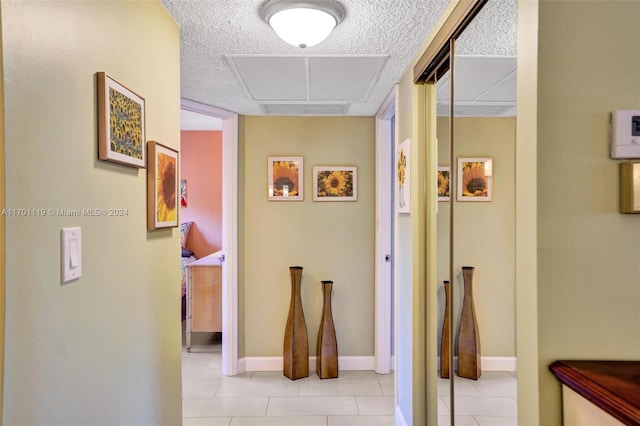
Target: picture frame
(121,123)
(285,178)
(183,193)
(444,183)
(403,177)
(475,179)
(335,183)
(162,186)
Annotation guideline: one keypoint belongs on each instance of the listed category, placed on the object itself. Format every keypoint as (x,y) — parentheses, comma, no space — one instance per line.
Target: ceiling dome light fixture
(302,23)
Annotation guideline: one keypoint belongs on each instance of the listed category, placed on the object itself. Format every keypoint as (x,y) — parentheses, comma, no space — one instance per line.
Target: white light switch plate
(70,254)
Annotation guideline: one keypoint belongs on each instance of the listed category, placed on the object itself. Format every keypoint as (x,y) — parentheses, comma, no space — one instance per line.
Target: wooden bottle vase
(469,336)
(444,341)
(327,346)
(296,340)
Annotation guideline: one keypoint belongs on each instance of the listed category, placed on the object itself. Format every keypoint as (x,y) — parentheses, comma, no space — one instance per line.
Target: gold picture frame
(162,187)
(335,183)
(121,123)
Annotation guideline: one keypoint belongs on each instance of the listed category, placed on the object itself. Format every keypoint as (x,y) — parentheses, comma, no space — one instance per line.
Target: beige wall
(105,348)
(330,240)
(588,269)
(484,231)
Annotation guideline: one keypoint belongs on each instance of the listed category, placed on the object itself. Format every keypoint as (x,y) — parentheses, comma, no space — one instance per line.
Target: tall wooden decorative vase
(296,340)
(327,346)
(468,337)
(444,341)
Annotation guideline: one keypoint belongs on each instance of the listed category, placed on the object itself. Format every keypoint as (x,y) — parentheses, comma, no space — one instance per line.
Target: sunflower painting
(285,178)
(121,123)
(475,179)
(335,183)
(444,183)
(162,187)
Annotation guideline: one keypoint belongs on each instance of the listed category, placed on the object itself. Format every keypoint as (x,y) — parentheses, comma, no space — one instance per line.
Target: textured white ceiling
(214,33)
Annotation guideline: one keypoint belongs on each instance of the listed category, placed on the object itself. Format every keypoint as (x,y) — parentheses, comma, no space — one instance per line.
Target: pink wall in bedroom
(201,166)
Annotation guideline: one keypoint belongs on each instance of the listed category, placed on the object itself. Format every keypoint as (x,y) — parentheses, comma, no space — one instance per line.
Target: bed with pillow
(187,257)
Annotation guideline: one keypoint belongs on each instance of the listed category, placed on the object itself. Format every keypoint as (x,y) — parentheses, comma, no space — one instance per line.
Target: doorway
(229,230)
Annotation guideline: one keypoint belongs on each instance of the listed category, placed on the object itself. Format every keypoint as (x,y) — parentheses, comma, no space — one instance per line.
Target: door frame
(229,230)
(384,227)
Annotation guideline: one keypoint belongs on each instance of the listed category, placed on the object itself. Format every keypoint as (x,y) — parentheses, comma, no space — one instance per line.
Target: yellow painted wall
(330,240)
(105,348)
(484,231)
(588,269)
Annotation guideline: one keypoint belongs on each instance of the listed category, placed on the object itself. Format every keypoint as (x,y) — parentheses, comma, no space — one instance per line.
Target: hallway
(356,398)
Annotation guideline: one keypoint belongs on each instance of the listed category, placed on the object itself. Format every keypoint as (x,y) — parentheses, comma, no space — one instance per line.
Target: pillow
(184,233)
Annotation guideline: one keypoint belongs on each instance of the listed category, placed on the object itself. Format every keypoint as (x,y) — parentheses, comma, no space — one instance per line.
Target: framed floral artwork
(403,177)
(183,193)
(475,179)
(285,178)
(444,183)
(335,183)
(121,123)
(162,186)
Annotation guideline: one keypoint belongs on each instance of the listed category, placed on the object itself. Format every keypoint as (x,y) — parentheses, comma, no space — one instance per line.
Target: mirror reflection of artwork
(285,178)
(475,179)
(444,182)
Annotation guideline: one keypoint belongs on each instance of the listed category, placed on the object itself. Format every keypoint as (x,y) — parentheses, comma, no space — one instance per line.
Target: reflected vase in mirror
(468,336)
(444,341)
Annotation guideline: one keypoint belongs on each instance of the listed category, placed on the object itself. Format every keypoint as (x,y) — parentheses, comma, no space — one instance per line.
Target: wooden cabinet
(599,392)
(204,296)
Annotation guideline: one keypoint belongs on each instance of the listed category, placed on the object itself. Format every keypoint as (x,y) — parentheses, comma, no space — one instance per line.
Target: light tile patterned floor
(356,398)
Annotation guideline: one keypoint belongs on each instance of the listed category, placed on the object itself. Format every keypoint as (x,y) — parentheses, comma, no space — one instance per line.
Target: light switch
(70,254)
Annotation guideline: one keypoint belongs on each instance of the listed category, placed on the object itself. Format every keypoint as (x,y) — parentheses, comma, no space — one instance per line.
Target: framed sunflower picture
(475,179)
(335,183)
(121,123)
(444,183)
(285,177)
(162,187)
(403,177)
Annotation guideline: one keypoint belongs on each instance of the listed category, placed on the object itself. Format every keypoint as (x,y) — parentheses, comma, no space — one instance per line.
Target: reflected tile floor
(490,401)
(356,398)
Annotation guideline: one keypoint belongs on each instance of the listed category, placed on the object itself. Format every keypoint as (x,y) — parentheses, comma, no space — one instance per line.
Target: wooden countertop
(613,386)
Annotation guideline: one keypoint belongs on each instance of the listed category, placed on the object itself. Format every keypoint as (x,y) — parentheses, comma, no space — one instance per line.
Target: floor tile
(312,406)
(375,405)
(460,421)
(486,406)
(224,407)
(257,388)
(388,388)
(362,421)
(280,421)
(495,383)
(206,421)
(497,421)
(199,387)
(340,387)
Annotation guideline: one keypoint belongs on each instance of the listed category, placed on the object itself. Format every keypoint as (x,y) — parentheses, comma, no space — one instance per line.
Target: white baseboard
(492,363)
(274,363)
(400,421)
